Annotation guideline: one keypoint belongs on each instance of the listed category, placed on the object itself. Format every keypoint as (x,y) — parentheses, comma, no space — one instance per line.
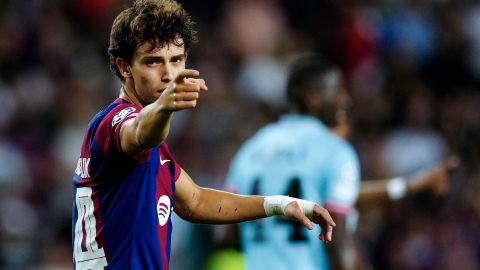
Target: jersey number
(298,233)
(86,252)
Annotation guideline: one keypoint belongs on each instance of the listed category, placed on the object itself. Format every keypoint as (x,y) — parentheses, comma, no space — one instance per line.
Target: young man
(127,182)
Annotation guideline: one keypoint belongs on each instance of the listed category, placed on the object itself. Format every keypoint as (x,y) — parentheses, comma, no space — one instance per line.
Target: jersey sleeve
(107,135)
(343,183)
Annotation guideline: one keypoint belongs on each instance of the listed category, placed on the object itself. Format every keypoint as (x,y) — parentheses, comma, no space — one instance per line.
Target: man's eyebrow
(154,58)
(158,58)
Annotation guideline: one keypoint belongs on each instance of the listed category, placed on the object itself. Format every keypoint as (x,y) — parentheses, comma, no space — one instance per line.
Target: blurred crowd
(412,69)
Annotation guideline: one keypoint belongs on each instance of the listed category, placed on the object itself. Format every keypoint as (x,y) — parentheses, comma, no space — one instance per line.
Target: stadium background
(413,70)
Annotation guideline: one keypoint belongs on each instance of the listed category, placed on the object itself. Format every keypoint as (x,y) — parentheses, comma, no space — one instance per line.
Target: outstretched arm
(151,126)
(204,205)
(436,180)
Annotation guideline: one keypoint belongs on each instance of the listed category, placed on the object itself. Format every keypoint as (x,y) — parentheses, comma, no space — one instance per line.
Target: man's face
(328,99)
(153,69)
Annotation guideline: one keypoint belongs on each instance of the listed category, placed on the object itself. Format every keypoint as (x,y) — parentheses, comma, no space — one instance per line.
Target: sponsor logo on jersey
(163,209)
(163,161)
(119,116)
(83,167)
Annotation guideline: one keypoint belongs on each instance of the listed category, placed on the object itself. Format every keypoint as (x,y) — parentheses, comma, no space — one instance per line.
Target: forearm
(435,179)
(203,205)
(152,125)
(378,191)
(372,191)
(219,207)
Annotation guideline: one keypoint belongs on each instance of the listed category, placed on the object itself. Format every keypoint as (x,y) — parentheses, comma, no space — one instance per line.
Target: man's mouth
(161,90)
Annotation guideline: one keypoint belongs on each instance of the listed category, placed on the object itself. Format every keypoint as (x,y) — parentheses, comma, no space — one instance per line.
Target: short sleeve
(343,183)
(107,135)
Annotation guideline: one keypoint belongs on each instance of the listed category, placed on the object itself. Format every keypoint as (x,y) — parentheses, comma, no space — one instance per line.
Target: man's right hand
(184,91)
(437,179)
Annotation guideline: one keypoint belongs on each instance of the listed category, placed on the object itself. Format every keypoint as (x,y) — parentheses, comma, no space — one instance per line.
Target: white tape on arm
(275,205)
(397,188)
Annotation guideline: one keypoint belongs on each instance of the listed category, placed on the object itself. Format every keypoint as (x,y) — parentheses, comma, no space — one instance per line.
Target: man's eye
(151,62)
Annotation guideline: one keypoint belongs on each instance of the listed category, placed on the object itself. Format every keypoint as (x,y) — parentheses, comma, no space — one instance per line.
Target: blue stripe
(169,234)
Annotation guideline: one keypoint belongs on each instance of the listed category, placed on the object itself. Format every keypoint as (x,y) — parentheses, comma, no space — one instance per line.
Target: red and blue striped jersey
(122,204)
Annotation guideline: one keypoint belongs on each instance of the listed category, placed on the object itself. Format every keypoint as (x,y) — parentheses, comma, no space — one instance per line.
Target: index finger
(323,216)
(186,73)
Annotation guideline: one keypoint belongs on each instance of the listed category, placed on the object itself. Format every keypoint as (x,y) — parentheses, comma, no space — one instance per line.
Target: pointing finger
(186,73)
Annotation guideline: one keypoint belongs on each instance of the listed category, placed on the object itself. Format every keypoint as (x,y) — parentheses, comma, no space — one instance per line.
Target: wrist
(275,205)
(396,188)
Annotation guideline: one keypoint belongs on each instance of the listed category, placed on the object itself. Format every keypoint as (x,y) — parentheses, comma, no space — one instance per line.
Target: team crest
(121,115)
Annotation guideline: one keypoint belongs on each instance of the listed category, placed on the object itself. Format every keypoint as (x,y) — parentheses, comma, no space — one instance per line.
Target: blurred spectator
(253,31)
(415,145)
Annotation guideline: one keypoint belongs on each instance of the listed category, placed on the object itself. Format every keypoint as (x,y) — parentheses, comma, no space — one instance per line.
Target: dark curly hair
(158,22)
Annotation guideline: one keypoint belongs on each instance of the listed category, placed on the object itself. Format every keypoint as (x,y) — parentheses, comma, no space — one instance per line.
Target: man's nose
(167,74)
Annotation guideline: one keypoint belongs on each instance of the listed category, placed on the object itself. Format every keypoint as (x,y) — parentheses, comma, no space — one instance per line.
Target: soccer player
(127,183)
(301,157)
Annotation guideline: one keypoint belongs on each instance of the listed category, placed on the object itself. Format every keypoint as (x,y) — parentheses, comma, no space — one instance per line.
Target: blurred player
(299,156)
(127,182)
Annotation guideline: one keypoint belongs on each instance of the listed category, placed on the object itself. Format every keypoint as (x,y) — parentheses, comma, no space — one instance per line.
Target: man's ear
(123,67)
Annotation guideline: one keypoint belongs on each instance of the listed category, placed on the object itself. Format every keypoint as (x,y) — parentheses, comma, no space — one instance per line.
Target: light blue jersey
(297,156)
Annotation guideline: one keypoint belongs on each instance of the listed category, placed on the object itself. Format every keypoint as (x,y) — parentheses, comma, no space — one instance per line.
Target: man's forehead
(172,47)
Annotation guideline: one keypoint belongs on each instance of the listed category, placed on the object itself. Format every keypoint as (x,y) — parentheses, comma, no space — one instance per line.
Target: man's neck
(128,93)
